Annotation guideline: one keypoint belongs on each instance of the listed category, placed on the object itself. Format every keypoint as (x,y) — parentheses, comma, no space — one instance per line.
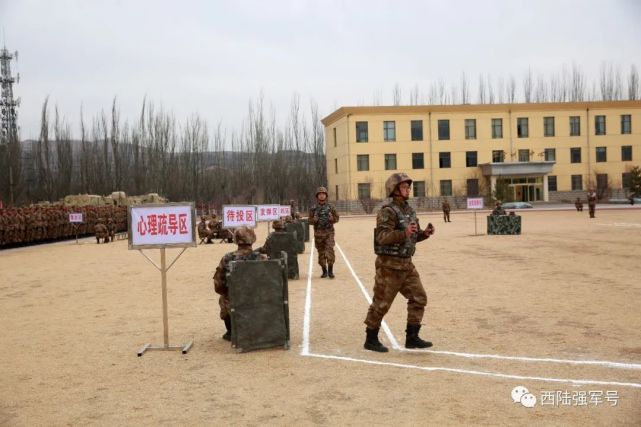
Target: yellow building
(529,152)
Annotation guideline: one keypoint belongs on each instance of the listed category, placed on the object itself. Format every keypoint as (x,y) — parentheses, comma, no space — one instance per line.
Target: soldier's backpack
(258,297)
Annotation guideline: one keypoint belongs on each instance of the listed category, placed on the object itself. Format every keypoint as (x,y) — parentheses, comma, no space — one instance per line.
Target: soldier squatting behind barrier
(281,240)
(395,237)
(244,238)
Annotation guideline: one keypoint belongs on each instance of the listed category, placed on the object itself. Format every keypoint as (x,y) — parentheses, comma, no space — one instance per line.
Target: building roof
(477,108)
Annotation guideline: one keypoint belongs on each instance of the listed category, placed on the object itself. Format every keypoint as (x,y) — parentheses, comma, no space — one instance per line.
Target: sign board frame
(159,206)
(272,217)
(249,225)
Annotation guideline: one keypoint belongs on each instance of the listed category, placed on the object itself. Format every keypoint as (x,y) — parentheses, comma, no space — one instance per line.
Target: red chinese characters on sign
(162,224)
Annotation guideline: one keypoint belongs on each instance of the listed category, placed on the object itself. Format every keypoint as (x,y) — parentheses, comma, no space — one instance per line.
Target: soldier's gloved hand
(411,229)
(429,230)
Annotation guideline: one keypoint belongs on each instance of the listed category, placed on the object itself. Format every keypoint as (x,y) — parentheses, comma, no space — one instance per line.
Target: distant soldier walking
(446,211)
(397,232)
(323,216)
(591,201)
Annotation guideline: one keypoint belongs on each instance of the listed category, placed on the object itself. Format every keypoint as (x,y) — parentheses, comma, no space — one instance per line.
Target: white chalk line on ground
(395,345)
(306,333)
(471,372)
(622,224)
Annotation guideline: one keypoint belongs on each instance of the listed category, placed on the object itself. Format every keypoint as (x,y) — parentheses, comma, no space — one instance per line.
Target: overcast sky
(214,57)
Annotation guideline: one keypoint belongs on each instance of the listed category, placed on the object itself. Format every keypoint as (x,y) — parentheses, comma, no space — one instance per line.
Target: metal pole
(165,321)
(475,233)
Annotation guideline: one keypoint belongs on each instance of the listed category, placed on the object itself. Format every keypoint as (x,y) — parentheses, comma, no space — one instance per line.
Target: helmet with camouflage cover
(322,190)
(288,219)
(393,181)
(244,236)
(278,225)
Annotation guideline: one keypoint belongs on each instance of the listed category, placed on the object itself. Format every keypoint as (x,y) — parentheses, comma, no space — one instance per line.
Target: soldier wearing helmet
(323,216)
(397,232)
(244,237)
(591,201)
(498,209)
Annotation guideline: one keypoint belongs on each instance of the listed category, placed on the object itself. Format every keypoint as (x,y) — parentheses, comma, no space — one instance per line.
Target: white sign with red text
(238,216)
(75,218)
(162,225)
(475,203)
(268,212)
(284,210)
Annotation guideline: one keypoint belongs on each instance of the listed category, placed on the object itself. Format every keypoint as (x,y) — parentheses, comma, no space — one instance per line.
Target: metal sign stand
(163,272)
(475,233)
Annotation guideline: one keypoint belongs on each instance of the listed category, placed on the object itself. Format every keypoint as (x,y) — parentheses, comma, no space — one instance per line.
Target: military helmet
(278,225)
(393,181)
(244,236)
(321,190)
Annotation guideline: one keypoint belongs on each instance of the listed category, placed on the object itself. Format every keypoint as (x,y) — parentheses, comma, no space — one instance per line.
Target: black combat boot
(330,271)
(324,275)
(372,342)
(412,340)
(227,335)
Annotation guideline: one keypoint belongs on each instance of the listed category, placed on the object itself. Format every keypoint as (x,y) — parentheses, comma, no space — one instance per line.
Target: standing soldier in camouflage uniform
(323,216)
(591,202)
(446,211)
(244,238)
(395,238)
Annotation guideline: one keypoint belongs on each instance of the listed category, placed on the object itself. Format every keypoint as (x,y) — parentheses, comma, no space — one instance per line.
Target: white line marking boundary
(306,352)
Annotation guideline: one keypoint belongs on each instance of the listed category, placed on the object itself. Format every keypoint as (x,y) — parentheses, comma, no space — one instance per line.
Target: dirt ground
(74,315)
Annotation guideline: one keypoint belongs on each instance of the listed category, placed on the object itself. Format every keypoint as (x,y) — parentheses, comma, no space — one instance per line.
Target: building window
(626,180)
(550,154)
(362,134)
(417,130)
(390,162)
(548,126)
(336,188)
(498,156)
(575,155)
(470,159)
(601,182)
(575,126)
(443,129)
(601,154)
(418,188)
(363,191)
(599,125)
(626,124)
(472,187)
(446,187)
(551,183)
(417,161)
(389,131)
(362,162)
(444,160)
(626,153)
(470,128)
(524,155)
(522,127)
(335,165)
(335,143)
(577,182)
(497,128)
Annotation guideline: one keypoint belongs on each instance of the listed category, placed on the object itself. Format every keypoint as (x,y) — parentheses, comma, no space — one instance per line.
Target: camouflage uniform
(591,202)
(101,231)
(578,204)
(498,209)
(244,238)
(446,211)
(323,216)
(395,271)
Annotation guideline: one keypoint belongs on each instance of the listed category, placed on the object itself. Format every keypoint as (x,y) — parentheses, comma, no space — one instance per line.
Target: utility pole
(8,113)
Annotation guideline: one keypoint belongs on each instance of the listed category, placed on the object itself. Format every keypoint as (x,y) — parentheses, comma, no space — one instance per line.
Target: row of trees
(568,85)
(261,162)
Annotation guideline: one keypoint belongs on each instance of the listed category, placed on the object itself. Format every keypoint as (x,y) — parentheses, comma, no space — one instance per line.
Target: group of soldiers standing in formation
(39,224)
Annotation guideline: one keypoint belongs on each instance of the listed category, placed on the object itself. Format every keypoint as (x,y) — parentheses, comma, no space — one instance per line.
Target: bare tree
(633,84)
(465,90)
(396,95)
(527,86)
